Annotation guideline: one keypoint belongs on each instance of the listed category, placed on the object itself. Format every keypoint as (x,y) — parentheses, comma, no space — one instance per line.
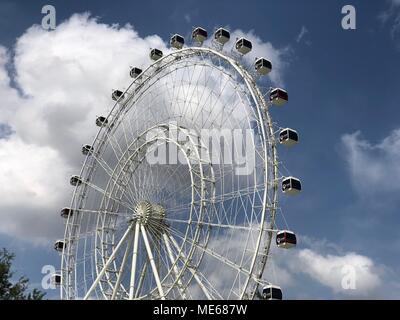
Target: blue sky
(340,82)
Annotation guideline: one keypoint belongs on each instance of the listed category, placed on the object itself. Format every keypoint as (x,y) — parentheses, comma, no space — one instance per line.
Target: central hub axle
(148,212)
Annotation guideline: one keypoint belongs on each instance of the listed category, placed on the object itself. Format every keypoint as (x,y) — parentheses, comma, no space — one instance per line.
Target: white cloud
(65,77)
(374,168)
(324,263)
(329,270)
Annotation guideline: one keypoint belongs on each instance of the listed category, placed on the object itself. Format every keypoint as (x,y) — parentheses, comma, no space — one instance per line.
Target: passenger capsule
(101,121)
(59,245)
(288,137)
(87,149)
(291,185)
(243,45)
(222,36)
(278,96)
(135,72)
(75,180)
(199,34)
(271,292)
(155,54)
(286,239)
(66,212)
(177,41)
(117,95)
(262,66)
(56,279)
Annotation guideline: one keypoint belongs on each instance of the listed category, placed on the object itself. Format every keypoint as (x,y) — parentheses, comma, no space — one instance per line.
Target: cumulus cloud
(346,274)
(374,168)
(61,81)
(330,270)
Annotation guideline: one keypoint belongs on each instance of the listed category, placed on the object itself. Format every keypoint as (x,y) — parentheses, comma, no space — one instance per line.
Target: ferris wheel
(160,212)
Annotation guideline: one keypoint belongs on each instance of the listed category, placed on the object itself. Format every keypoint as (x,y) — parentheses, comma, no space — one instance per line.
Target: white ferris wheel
(188,229)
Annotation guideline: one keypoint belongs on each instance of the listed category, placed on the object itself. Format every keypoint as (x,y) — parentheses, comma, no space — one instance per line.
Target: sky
(344,98)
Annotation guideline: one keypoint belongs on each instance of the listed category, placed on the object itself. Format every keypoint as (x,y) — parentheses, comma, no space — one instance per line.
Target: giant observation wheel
(178,194)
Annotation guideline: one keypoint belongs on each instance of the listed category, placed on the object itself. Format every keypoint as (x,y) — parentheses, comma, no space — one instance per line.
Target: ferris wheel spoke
(212,253)
(109,172)
(106,194)
(152,263)
(182,256)
(157,246)
(108,262)
(220,225)
(110,137)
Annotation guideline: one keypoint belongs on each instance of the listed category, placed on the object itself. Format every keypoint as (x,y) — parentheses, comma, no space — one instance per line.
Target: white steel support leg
(121,270)
(175,268)
(152,263)
(107,264)
(193,272)
(134,259)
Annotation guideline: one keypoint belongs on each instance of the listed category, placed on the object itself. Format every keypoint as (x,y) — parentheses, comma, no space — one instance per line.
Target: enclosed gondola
(278,96)
(56,279)
(288,137)
(177,41)
(243,45)
(101,121)
(155,54)
(75,180)
(135,72)
(271,292)
(291,185)
(59,245)
(222,36)
(262,66)
(117,95)
(87,149)
(286,239)
(199,34)
(66,212)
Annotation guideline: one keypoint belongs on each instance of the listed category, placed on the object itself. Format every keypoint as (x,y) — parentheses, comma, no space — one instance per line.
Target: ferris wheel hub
(149,212)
